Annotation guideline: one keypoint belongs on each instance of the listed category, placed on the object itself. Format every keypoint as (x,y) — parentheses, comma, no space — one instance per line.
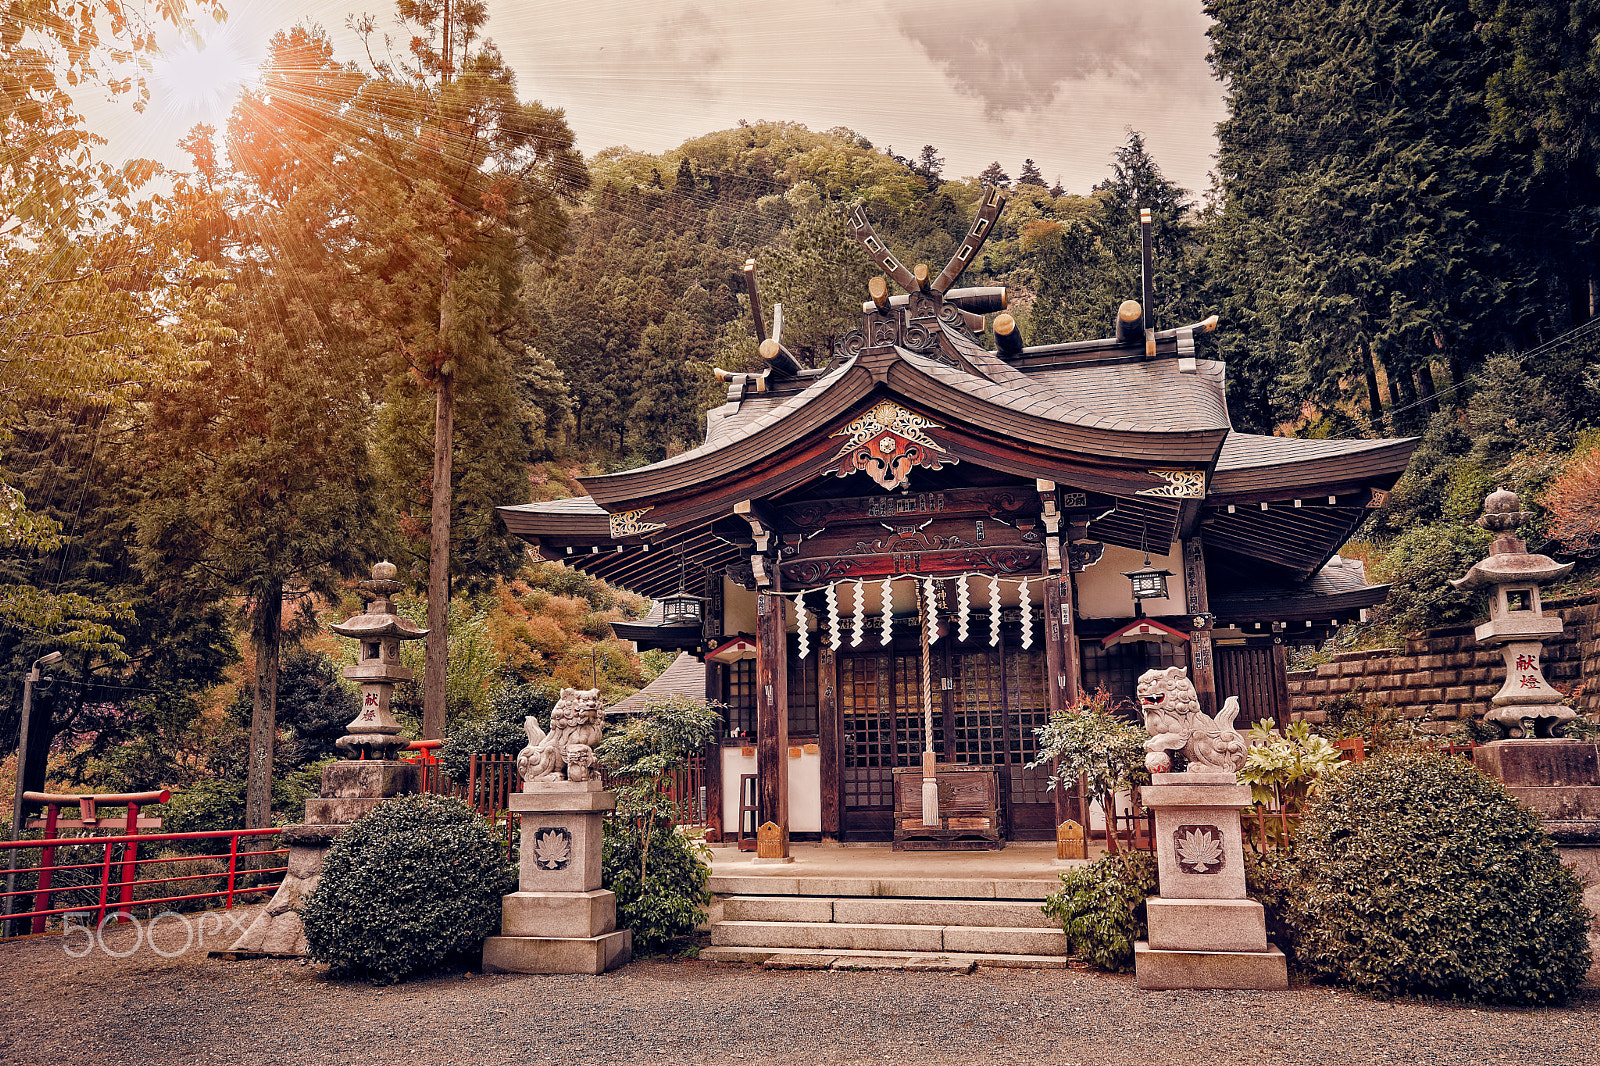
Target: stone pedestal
(1204,932)
(560,920)
(349,790)
(1561,780)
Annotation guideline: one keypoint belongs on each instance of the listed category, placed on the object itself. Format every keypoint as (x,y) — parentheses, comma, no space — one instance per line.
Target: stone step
(1011,914)
(812,959)
(882,936)
(1024,888)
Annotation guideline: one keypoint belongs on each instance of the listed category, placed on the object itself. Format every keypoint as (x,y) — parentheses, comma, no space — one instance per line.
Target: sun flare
(198,82)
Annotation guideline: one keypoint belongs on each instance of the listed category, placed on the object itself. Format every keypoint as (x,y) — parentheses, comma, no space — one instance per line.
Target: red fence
(115,880)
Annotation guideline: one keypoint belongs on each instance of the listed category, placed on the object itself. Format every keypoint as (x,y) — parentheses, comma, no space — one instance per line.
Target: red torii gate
(88,818)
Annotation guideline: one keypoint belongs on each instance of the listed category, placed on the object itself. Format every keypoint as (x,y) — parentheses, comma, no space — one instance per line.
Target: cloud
(682,45)
(1020,57)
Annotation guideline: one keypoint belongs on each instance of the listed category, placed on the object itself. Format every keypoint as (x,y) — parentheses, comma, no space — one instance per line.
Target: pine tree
(994,176)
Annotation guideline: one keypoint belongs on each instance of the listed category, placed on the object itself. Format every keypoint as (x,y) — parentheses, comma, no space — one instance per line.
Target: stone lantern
(373,733)
(1526,705)
(351,787)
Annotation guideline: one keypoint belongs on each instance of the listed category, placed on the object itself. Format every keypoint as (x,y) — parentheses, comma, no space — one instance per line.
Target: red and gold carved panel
(886,444)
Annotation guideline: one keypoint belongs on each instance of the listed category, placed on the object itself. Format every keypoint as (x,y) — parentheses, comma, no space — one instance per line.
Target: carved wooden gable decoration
(886,444)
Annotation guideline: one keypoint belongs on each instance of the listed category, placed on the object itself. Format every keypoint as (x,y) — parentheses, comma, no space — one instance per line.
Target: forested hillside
(1399,240)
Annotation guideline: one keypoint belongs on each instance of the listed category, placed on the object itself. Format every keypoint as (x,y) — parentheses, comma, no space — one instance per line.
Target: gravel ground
(189,1009)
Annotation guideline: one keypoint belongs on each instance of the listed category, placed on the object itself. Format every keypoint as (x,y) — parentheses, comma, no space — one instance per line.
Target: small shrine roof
(685,677)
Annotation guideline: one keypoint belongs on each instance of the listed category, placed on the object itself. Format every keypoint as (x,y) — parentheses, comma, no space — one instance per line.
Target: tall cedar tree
(258,480)
(1088,265)
(463,183)
(1370,221)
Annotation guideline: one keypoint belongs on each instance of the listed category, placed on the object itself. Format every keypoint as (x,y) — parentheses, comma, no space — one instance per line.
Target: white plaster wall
(733,764)
(805,790)
(1104,593)
(805,793)
(738,609)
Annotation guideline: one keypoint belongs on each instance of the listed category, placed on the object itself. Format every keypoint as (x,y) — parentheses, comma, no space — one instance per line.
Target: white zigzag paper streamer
(1027,613)
(832,598)
(994,611)
(963,608)
(803,621)
(931,599)
(859,622)
(886,592)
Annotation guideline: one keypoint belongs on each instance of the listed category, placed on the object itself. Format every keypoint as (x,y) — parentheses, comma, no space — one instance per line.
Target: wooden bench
(969,809)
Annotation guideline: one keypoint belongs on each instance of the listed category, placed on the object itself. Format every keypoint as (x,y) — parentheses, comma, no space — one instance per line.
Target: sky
(1058,81)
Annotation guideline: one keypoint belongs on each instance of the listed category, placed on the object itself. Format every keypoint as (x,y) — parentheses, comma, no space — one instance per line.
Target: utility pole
(22,773)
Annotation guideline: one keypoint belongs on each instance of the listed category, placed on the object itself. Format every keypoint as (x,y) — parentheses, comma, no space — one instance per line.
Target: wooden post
(829,736)
(1061,666)
(772,708)
(714,826)
(1202,661)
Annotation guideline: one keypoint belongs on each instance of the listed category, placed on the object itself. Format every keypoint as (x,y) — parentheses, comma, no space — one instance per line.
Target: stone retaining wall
(1445,675)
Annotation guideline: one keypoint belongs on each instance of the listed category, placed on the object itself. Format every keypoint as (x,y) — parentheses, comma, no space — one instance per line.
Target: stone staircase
(912,924)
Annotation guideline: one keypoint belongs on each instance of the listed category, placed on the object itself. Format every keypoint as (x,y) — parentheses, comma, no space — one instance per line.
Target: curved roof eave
(983,406)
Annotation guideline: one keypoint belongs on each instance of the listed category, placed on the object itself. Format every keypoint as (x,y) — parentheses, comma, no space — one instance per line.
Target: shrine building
(926,545)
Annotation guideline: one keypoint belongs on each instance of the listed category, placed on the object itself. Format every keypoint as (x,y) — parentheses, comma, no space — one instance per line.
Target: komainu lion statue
(1174,720)
(568,749)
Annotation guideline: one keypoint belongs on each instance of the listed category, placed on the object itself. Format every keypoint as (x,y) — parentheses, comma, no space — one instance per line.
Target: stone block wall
(1445,675)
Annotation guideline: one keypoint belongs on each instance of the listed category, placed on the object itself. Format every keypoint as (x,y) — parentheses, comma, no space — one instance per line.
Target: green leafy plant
(1101,908)
(1420,875)
(658,871)
(1089,739)
(1284,769)
(411,885)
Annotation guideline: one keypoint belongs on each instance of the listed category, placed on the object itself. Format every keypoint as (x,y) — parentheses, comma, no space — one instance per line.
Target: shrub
(1101,908)
(1421,875)
(1419,566)
(658,873)
(409,886)
(502,732)
(672,898)
(1091,740)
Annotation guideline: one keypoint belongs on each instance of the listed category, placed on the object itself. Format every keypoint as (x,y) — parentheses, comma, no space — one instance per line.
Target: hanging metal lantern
(1148,582)
(682,609)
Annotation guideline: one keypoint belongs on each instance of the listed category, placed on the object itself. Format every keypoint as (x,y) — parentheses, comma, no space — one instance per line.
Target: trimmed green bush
(1101,908)
(672,898)
(1420,875)
(414,884)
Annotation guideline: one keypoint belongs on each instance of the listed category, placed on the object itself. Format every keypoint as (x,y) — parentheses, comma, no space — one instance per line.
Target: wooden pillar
(772,708)
(830,736)
(1280,682)
(714,694)
(1202,661)
(1061,666)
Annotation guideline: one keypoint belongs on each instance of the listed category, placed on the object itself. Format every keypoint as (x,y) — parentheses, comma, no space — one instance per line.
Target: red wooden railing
(118,866)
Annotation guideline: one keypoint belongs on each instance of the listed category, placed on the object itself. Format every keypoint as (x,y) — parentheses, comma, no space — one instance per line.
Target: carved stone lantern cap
(379,619)
(1502,511)
(1509,560)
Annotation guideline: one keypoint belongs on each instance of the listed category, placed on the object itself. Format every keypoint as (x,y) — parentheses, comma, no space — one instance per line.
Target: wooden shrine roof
(1139,420)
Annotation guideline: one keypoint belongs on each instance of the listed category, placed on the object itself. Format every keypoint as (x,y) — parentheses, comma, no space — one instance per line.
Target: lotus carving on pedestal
(1199,848)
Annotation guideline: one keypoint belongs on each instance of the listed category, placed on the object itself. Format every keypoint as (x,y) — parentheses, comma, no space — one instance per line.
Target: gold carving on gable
(630,524)
(886,443)
(1179,484)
